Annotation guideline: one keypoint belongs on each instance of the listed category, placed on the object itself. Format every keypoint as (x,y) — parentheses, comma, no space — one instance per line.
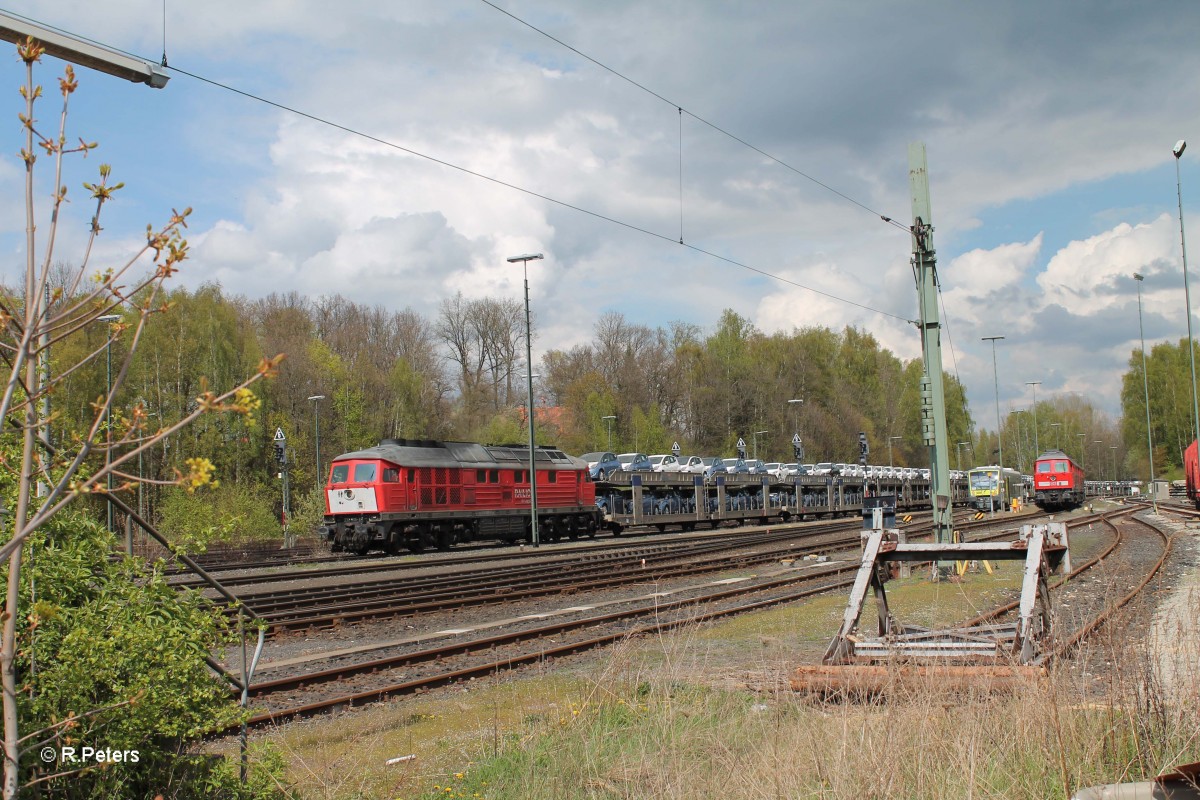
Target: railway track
(328,606)
(423,662)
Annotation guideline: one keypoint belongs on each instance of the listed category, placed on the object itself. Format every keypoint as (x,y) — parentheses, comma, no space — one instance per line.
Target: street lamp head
(108,318)
(1137,276)
(86,54)
(1179,147)
(526,257)
(317,397)
(796,401)
(990,338)
(610,416)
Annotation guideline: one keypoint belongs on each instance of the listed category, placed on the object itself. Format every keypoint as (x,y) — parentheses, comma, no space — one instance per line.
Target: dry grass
(705,712)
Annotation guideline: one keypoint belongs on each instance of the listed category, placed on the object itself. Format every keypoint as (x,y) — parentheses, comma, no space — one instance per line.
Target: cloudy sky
(1048,126)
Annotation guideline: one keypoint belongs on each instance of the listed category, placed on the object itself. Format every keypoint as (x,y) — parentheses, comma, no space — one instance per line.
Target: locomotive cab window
(1060,466)
(391,475)
(340,473)
(1044,466)
(364,473)
(412,475)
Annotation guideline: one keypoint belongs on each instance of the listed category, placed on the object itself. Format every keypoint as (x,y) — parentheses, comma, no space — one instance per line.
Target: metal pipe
(1180,146)
(996,381)
(1146,392)
(533,520)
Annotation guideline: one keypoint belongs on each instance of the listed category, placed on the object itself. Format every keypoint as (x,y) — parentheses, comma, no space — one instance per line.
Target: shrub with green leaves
(220,514)
(111,656)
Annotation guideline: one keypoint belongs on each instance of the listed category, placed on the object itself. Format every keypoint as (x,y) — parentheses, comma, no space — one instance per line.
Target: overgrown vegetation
(113,658)
(103,665)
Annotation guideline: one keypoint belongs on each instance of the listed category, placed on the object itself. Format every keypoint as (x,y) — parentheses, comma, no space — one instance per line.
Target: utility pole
(933,393)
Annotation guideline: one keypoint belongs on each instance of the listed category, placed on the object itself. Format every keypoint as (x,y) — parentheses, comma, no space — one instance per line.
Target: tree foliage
(113,657)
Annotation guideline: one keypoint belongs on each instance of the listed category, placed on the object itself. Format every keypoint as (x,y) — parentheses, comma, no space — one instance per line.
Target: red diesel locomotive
(1057,481)
(1191,470)
(414,494)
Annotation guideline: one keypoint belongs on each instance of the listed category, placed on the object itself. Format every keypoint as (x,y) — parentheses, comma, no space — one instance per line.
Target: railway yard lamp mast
(958,447)
(890,440)
(756,435)
(1082,451)
(609,421)
(1036,450)
(996,381)
(317,398)
(1020,441)
(1057,427)
(533,520)
(1177,150)
(1146,390)
(796,439)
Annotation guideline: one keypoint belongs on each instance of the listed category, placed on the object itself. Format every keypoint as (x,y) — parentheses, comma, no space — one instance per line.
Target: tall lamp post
(1178,149)
(110,318)
(1082,451)
(1113,447)
(958,448)
(996,381)
(1036,450)
(609,421)
(1056,426)
(317,398)
(1146,391)
(1020,441)
(795,403)
(533,520)
(756,435)
(890,439)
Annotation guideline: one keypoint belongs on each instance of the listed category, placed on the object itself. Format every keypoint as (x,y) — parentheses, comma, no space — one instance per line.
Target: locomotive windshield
(984,479)
(364,473)
(340,473)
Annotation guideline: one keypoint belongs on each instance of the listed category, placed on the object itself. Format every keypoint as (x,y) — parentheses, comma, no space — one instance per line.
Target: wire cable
(532,193)
(499,182)
(697,117)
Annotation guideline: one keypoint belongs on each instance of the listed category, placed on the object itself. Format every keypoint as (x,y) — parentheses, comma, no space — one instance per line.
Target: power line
(697,117)
(561,203)
(530,192)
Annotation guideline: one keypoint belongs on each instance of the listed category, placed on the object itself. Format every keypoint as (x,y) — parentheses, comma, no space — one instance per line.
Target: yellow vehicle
(993,489)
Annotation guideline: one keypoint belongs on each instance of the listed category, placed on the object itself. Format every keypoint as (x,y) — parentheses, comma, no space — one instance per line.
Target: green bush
(112,657)
(227,513)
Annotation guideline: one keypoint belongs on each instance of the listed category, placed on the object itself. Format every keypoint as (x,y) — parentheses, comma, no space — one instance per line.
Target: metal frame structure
(1043,548)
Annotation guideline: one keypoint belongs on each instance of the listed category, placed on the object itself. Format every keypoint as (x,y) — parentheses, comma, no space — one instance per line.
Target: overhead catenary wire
(883,217)
(533,193)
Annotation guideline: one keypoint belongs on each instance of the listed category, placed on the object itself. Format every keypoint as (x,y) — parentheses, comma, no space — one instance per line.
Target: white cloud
(1083,275)
(1011,112)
